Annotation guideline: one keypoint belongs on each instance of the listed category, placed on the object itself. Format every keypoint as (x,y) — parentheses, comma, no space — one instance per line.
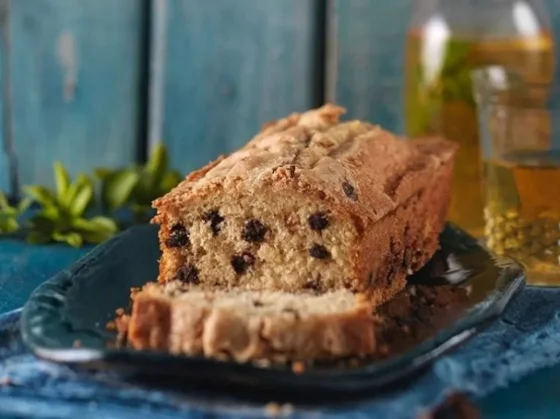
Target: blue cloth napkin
(526,339)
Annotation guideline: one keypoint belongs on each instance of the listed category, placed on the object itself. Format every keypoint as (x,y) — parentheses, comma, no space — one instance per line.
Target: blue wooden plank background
(73,73)
(229,68)
(366,58)
(75,83)
(6,144)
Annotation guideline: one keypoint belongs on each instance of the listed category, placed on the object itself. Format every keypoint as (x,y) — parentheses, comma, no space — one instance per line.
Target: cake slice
(251,325)
(311,203)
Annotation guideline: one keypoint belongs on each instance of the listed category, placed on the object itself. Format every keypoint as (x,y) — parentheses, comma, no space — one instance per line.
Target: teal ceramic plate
(459,292)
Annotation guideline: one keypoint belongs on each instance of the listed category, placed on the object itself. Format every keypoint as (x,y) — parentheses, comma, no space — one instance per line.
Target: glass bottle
(446,41)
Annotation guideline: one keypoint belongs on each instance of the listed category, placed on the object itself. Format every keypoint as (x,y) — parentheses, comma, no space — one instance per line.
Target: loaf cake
(251,325)
(310,203)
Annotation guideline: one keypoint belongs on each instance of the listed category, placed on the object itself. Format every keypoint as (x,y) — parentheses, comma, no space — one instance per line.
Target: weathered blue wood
(366,58)
(75,80)
(6,144)
(229,66)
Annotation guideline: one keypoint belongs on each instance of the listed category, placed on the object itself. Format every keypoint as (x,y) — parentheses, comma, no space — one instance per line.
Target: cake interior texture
(252,325)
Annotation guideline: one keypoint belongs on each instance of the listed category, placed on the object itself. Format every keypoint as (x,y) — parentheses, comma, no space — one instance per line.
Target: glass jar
(519,125)
(447,40)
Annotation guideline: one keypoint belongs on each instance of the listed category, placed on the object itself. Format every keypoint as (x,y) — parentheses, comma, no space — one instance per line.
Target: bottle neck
(483,18)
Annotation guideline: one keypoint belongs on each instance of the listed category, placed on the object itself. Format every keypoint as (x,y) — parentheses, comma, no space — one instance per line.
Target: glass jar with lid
(446,41)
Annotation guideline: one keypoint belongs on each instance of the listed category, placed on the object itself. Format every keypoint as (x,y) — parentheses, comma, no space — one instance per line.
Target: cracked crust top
(323,155)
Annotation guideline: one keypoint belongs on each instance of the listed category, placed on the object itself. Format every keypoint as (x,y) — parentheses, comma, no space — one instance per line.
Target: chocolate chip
(349,285)
(257,303)
(188,275)
(215,219)
(319,252)
(242,262)
(178,236)
(254,231)
(312,285)
(292,170)
(318,221)
(322,195)
(349,190)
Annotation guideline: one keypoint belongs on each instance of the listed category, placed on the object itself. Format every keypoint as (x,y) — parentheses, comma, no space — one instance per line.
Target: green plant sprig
(63,212)
(135,188)
(10,214)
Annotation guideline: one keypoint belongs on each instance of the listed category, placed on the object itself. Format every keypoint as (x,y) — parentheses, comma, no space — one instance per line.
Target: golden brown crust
(159,322)
(405,239)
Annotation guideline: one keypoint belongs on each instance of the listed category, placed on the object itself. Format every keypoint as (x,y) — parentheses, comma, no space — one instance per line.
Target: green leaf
(102,173)
(62,180)
(96,224)
(157,164)
(53,214)
(40,194)
(38,237)
(9,212)
(117,188)
(24,205)
(169,181)
(46,220)
(96,237)
(72,238)
(104,223)
(81,200)
(8,225)
(74,189)
(143,191)
(3,200)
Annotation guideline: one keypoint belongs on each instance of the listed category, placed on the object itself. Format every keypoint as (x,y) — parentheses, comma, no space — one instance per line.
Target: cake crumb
(111,325)
(5,381)
(119,311)
(274,409)
(383,349)
(264,363)
(77,343)
(134,291)
(298,367)
(122,323)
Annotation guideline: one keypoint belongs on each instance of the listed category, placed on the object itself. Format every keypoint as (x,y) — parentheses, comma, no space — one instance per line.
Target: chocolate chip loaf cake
(251,325)
(310,203)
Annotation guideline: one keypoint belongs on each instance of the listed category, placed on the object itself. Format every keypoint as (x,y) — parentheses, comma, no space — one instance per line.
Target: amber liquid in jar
(439,101)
